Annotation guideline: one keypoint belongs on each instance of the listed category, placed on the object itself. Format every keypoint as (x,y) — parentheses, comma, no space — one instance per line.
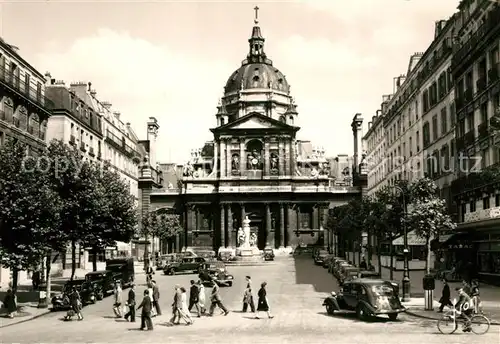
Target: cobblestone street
(296,289)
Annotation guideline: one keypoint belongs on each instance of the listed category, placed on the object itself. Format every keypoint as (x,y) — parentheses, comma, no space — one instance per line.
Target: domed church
(256,167)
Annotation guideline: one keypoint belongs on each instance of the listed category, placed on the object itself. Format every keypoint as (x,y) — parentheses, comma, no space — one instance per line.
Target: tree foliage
(29,210)
(161,225)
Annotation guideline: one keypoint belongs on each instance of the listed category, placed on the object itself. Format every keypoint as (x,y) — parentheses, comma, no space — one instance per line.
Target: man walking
(156,297)
(194,298)
(146,306)
(176,306)
(118,300)
(216,300)
(131,304)
(248,296)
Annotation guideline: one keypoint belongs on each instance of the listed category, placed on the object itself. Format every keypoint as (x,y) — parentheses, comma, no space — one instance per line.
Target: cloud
(142,80)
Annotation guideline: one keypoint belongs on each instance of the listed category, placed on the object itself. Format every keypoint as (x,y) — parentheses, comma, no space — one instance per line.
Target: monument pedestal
(247,252)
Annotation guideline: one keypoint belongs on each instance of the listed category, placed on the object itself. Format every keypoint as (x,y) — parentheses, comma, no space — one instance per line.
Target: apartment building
(476,68)
(24,110)
(374,142)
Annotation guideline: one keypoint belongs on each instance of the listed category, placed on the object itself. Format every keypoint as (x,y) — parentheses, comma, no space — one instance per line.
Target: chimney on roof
(90,86)
(106,105)
(93,93)
(59,82)
(80,88)
(117,114)
(48,78)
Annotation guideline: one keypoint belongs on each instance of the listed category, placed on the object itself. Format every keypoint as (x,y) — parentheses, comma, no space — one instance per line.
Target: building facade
(257,167)
(476,68)
(24,110)
(80,119)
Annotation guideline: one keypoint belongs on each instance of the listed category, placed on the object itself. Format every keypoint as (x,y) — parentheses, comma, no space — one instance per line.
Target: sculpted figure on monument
(241,237)
(254,161)
(235,162)
(253,239)
(274,161)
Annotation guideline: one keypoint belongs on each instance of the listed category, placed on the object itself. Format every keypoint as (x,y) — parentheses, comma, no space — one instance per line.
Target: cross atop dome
(256,53)
(256,20)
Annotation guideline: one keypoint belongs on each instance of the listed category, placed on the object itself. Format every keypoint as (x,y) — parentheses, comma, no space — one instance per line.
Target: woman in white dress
(201,297)
(184,311)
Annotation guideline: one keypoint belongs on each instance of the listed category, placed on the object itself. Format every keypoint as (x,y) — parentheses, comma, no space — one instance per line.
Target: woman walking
(9,302)
(263,304)
(184,311)
(76,304)
(201,297)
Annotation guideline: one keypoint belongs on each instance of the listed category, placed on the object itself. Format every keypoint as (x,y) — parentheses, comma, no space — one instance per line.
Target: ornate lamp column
(267,157)
(222,226)
(243,161)
(282,225)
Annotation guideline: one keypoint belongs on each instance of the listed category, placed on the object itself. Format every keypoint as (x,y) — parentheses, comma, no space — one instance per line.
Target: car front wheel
(171,272)
(361,312)
(393,316)
(329,309)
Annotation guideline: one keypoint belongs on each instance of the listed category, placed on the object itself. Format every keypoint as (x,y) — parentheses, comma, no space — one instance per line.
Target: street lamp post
(406,267)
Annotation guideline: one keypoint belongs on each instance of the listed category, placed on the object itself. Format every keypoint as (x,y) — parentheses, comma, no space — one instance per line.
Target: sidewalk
(415,307)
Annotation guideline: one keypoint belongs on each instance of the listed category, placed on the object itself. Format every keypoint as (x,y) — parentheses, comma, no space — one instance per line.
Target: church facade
(256,167)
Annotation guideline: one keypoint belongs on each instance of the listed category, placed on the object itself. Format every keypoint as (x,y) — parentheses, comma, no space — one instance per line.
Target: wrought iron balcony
(469,138)
(35,95)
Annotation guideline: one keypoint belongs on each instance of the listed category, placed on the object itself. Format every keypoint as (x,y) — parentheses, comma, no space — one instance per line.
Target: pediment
(254,123)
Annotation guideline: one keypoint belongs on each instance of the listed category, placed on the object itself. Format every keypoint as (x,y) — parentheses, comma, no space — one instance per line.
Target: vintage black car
(320,257)
(86,289)
(123,268)
(268,254)
(211,272)
(183,265)
(367,297)
(348,273)
(104,282)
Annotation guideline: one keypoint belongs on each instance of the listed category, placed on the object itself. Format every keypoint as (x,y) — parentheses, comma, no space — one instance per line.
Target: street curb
(416,315)
(28,318)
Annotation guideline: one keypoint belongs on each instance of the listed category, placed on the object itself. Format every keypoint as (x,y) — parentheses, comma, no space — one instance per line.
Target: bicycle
(448,324)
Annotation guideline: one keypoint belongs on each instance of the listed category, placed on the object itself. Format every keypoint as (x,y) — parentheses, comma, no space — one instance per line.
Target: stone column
(230,232)
(281,157)
(267,157)
(243,160)
(282,225)
(222,226)
(216,158)
(222,157)
(289,229)
(199,218)
(287,158)
(229,157)
(269,244)
(315,224)
(243,213)
(292,158)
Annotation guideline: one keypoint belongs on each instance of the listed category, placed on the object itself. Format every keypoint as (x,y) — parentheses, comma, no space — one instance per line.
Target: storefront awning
(457,241)
(413,240)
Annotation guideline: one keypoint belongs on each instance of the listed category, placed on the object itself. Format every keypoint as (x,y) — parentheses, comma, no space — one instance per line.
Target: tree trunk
(391,271)
(94,259)
(73,259)
(379,261)
(48,280)
(15,280)
(428,259)
(368,248)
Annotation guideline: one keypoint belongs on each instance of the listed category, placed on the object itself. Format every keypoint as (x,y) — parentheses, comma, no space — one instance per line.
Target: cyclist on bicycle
(464,307)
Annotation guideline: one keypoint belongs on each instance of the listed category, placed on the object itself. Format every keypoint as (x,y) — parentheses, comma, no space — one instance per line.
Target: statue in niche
(235,162)
(241,236)
(253,239)
(274,161)
(188,170)
(254,160)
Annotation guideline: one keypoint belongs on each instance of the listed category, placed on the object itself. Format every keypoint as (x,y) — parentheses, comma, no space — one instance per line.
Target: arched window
(254,155)
(222,122)
(23,117)
(282,119)
(256,80)
(34,124)
(43,129)
(8,108)
(291,119)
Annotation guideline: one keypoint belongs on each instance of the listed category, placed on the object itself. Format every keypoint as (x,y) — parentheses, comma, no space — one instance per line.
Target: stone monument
(246,251)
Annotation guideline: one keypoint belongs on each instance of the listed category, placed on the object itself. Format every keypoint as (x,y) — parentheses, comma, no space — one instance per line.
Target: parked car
(302,250)
(338,268)
(104,282)
(327,261)
(367,297)
(347,273)
(320,257)
(215,270)
(123,269)
(333,263)
(268,254)
(185,264)
(85,288)
(369,274)
(164,260)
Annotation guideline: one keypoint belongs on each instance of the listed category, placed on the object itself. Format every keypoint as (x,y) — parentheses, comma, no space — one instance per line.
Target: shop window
(486,202)
(472,206)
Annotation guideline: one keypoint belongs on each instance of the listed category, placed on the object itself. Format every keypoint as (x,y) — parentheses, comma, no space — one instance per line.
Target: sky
(171,59)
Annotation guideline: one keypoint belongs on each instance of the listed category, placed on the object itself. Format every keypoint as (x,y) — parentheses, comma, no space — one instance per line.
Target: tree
(76,183)
(428,213)
(161,224)
(115,219)
(29,211)
(375,224)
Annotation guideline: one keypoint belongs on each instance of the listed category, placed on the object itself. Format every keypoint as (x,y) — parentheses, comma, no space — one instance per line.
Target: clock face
(254,161)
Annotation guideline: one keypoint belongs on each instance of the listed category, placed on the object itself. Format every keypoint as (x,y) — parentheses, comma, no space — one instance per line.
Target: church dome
(256,75)
(256,70)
